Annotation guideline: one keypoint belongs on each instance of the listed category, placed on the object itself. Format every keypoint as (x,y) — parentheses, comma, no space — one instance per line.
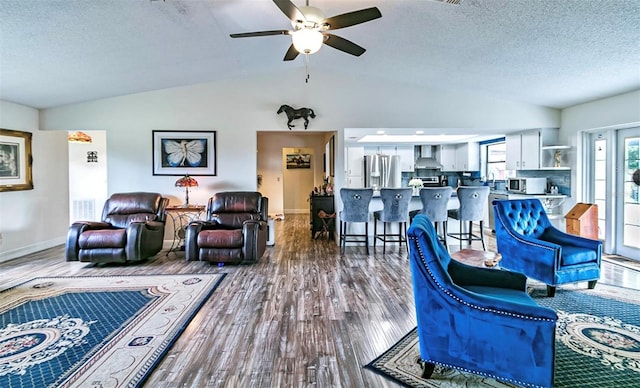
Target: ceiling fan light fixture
(307,41)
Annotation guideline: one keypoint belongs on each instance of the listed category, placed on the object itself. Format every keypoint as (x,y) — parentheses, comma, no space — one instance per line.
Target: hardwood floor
(302,316)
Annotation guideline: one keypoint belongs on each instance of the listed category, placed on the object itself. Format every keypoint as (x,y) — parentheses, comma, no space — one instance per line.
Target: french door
(628,192)
(613,158)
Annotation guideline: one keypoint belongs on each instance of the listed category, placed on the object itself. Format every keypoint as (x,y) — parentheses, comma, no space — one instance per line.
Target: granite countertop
(519,195)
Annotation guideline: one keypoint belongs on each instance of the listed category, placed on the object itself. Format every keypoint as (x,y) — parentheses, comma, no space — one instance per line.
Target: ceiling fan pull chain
(306,67)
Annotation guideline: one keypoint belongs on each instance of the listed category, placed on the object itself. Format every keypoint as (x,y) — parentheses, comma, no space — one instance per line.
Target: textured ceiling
(546,52)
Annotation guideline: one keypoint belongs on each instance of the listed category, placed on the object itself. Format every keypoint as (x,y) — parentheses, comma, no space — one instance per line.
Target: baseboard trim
(29,249)
(296,211)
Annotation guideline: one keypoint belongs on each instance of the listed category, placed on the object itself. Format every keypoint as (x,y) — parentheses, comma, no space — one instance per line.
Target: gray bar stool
(434,206)
(473,202)
(395,208)
(355,208)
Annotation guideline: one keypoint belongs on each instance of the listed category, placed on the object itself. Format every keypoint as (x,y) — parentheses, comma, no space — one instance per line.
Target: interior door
(627,193)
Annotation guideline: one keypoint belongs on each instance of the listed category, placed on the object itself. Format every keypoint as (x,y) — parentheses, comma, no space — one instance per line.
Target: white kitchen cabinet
(467,157)
(407,157)
(446,154)
(523,149)
(530,151)
(355,182)
(355,160)
(354,166)
(513,145)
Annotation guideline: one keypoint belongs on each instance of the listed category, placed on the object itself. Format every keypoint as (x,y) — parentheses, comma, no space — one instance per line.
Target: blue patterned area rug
(94,331)
(597,344)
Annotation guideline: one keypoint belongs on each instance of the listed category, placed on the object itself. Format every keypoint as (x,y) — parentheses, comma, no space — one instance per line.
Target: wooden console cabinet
(582,220)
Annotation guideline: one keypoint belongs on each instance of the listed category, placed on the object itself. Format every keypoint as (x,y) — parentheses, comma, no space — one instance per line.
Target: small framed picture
(15,160)
(184,152)
(298,161)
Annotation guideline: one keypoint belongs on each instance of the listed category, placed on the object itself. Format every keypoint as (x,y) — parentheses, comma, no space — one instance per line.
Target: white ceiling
(547,52)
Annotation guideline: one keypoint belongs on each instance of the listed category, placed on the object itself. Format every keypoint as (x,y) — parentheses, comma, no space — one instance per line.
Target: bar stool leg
(406,240)
(384,238)
(366,236)
(482,236)
(375,233)
(342,237)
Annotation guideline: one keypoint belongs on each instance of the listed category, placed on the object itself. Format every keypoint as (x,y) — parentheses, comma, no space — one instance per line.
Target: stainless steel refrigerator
(382,171)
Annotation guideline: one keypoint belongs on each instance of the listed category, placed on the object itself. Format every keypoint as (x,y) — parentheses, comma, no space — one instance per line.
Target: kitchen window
(494,163)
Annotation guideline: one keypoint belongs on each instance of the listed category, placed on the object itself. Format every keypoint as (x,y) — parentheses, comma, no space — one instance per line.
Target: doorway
(87,176)
(277,182)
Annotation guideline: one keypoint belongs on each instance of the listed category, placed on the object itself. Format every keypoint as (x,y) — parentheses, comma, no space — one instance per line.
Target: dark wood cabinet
(318,224)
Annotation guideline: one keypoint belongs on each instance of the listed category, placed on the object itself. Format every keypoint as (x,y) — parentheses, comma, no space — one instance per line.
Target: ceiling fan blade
(343,45)
(291,54)
(261,33)
(290,9)
(352,18)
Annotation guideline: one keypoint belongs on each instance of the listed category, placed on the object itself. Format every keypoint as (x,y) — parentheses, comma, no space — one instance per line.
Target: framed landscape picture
(15,160)
(184,152)
(298,161)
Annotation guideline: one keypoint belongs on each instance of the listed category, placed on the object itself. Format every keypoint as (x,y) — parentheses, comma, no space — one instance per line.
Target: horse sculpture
(301,113)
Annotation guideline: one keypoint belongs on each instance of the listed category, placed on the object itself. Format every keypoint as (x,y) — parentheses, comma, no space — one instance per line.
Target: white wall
(236,109)
(607,113)
(32,220)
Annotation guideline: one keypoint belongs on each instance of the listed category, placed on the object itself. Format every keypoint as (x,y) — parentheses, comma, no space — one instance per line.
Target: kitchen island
(376,204)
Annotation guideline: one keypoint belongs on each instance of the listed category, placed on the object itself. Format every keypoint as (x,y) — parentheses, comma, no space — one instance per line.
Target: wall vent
(83,210)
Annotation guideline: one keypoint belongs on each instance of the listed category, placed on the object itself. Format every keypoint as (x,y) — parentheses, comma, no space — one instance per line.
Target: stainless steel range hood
(427,159)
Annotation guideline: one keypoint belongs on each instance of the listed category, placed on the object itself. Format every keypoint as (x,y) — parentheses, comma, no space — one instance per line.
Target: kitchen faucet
(492,177)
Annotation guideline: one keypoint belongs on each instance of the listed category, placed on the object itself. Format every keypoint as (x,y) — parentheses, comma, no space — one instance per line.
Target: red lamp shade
(186,181)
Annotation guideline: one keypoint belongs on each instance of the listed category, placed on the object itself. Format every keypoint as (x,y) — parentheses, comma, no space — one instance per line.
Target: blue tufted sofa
(531,245)
(478,320)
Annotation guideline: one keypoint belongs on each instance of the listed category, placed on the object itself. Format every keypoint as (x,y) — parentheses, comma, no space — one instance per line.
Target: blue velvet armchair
(478,320)
(530,244)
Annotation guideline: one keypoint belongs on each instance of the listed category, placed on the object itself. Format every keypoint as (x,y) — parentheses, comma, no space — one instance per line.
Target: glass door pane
(600,184)
(628,207)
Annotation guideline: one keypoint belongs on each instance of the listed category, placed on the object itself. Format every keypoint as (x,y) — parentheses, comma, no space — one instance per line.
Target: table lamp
(186,182)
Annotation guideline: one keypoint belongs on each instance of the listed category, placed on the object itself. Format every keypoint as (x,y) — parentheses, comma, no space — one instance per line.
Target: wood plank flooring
(303,316)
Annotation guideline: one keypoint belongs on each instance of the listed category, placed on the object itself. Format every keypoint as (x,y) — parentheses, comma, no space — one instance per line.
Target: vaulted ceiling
(546,52)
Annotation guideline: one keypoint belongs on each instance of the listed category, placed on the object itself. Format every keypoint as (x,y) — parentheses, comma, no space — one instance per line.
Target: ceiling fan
(310,29)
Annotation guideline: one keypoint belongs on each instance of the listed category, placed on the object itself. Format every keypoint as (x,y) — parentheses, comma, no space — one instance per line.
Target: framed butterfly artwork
(184,153)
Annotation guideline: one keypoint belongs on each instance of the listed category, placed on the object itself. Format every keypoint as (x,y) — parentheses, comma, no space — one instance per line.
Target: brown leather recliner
(235,230)
(132,229)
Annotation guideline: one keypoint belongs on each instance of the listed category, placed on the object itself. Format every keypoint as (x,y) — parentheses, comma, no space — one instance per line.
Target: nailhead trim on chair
(447,292)
(518,382)
(414,241)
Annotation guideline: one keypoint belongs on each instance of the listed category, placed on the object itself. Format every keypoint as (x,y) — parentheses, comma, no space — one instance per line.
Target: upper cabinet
(524,149)
(407,157)
(468,156)
(446,154)
(354,156)
(459,157)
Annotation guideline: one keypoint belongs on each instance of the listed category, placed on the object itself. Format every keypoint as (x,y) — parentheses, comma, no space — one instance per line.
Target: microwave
(527,185)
